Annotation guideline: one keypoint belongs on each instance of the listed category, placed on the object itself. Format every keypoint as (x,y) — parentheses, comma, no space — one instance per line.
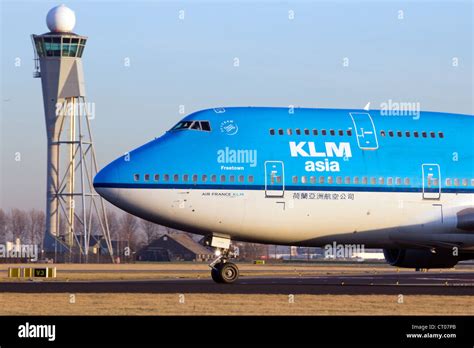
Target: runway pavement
(452,284)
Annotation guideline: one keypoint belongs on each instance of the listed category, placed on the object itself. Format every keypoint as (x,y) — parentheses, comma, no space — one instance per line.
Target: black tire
(229,272)
(216,274)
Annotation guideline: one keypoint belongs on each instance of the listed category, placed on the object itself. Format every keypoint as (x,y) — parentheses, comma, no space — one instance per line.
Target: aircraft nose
(106,182)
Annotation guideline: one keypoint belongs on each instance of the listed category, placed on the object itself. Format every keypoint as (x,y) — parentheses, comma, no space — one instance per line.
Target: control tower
(76,220)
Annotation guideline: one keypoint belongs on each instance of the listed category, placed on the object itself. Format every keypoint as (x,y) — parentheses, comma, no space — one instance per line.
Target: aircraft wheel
(215,274)
(228,272)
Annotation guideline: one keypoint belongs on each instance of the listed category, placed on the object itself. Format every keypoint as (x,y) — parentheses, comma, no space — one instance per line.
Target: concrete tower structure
(75,214)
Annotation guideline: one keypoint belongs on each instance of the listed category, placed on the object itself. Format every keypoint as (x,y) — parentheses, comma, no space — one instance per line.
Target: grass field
(218,304)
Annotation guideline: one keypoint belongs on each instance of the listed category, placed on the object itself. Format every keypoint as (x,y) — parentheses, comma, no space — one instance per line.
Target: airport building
(175,247)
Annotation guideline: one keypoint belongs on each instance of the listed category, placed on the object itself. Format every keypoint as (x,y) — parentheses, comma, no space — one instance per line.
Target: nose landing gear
(222,270)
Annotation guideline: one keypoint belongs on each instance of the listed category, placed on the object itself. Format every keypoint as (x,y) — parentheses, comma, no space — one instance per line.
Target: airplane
(308,177)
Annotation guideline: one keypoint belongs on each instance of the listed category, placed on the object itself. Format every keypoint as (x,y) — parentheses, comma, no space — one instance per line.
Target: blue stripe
(287,188)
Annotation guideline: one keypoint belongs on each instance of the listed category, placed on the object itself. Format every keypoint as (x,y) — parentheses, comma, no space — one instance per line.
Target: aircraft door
(274,179)
(365,131)
(431,181)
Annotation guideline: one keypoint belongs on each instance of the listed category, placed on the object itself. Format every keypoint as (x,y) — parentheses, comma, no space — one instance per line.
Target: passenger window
(294,179)
(315,132)
(323,132)
(332,132)
(448,182)
(213,178)
(407,134)
(157,177)
(390,181)
(381,181)
(373,181)
(349,132)
(338,180)
(222,178)
(398,181)
(185,177)
(382,133)
(280,131)
(321,179)
(298,131)
(347,180)
(147,177)
(166,177)
(306,131)
(415,134)
(241,178)
(472,182)
(303,179)
(399,134)
(464,182)
(250,178)
(432,134)
(204,178)
(289,131)
(231,178)
(407,181)
(356,180)
(423,134)
(390,133)
(441,135)
(195,178)
(341,132)
(272,131)
(175,177)
(330,181)
(456,182)
(312,179)
(364,180)
(136,177)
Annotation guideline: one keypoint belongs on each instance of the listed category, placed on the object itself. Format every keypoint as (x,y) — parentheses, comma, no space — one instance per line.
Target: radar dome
(61,19)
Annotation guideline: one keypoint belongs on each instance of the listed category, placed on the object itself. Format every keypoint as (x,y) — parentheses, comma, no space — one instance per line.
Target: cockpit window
(194,125)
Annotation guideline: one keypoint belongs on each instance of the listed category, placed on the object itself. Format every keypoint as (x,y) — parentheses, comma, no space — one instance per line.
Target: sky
(147,61)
